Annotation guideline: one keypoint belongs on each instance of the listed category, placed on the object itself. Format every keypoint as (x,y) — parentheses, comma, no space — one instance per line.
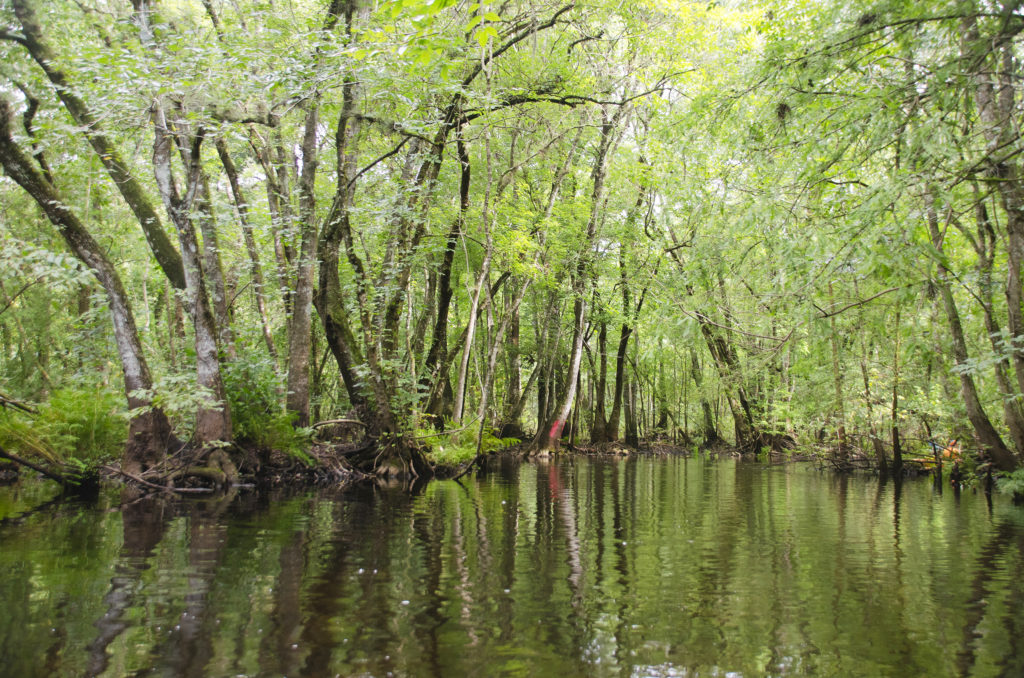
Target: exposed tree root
(154,486)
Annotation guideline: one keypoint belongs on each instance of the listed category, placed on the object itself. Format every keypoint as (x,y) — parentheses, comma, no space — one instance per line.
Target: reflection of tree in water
(189,646)
(362,533)
(987,570)
(506,565)
(275,649)
(427,528)
(144,520)
(554,515)
(612,567)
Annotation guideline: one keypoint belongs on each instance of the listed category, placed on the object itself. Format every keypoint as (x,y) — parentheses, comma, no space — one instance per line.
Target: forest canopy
(415,231)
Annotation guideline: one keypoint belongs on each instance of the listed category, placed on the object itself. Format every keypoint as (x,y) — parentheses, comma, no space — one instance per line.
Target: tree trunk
(710,432)
(279,205)
(990,439)
(632,437)
(510,419)
(439,341)
(301,321)
(747,436)
(876,442)
(492,361)
(661,401)
(997,109)
(897,449)
(330,302)
(547,435)
(599,431)
(149,432)
(255,269)
(463,375)
(842,452)
(985,243)
(87,121)
(213,270)
(213,419)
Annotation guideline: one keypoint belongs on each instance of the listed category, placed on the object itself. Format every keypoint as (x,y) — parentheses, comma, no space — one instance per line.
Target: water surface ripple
(630,567)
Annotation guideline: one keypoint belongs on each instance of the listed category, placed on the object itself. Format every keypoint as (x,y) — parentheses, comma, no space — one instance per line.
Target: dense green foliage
(767,223)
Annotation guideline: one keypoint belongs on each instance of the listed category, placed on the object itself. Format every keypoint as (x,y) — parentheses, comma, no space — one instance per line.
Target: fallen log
(63,480)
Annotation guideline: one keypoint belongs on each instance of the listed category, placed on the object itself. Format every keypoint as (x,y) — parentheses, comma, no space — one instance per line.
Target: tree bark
(463,375)
(300,323)
(167,257)
(213,268)
(897,449)
(439,341)
(599,431)
(329,299)
(985,242)
(149,431)
(511,425)
(213,419)
(279,205)
(710,432)
(492,361)
(255,269)
(995,98)
(989,438)
(837,387)
(548,434)
(632,437)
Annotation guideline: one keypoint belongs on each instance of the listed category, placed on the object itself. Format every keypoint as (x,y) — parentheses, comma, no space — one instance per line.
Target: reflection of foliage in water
(606,567)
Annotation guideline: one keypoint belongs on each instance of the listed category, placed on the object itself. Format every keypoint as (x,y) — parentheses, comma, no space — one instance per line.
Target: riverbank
(329,461)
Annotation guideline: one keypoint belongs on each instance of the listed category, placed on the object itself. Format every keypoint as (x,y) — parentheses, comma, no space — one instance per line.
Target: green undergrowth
(1012,484)
(254,390)
(454,447)
(75,430)
(254,387)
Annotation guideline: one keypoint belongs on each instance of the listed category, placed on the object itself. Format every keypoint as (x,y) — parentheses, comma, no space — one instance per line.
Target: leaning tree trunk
(89,122)
(549,434)
(990,439)
(747,438)
(148,432)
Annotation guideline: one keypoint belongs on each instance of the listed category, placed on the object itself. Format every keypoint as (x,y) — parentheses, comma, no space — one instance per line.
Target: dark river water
(632,567)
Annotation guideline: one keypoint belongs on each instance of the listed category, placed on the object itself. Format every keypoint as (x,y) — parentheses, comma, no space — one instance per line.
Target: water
(633,567)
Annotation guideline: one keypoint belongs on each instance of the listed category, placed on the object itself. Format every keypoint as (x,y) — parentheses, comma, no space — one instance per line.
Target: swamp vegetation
(248,239)
(254,250)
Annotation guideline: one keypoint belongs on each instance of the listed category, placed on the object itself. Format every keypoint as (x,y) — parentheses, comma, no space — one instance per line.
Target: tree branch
(829,314)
